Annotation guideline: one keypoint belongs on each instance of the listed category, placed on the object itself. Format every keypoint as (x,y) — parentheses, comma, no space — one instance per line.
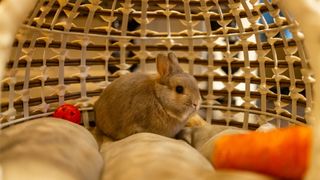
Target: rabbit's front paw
(196,121)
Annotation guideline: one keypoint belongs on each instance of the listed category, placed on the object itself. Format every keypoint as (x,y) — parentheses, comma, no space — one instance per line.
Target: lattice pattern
(66,49)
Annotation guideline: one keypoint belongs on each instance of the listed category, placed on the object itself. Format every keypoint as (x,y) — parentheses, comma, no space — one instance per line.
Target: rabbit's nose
(195,106)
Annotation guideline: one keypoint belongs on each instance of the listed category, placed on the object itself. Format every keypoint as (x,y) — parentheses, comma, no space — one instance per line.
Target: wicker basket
(248,57)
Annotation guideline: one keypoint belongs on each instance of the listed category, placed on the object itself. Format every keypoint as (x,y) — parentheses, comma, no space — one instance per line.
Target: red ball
(68,112)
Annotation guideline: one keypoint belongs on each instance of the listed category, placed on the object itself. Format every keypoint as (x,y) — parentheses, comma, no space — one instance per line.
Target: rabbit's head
(177,92)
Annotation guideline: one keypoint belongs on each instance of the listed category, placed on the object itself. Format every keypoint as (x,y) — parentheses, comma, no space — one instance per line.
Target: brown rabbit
(140,102)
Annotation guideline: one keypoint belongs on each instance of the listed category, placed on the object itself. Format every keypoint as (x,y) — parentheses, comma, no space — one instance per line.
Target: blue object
(269,20)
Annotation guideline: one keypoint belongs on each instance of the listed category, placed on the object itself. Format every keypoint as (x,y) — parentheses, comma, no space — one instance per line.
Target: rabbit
(140,102)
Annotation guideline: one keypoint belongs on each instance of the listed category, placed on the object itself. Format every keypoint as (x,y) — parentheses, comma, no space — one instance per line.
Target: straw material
(65,51)
(250,70)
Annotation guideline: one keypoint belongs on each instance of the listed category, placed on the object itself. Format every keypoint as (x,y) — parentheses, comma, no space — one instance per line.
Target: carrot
(282,153)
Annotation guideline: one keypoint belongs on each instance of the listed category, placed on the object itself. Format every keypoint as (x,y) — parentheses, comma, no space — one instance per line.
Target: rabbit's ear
(168,65)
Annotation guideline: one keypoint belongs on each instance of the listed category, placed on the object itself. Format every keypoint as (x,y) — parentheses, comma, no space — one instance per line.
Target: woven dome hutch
(250,58)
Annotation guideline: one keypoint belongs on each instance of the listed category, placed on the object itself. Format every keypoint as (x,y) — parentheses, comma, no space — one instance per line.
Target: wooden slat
(114,61)
(197,48)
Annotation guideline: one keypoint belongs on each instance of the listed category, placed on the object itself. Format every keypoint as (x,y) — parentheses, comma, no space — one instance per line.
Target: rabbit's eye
(179,89)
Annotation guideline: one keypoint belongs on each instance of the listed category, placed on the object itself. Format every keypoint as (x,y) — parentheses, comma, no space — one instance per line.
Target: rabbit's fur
(141,102)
